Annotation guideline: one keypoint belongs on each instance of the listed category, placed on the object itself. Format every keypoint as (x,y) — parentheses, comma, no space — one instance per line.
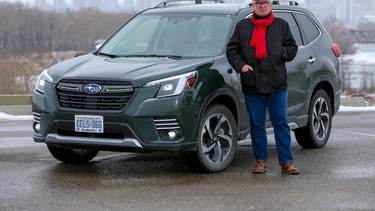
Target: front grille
(113,96)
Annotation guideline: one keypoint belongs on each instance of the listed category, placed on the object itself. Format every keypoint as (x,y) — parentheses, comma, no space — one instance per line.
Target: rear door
(301,67)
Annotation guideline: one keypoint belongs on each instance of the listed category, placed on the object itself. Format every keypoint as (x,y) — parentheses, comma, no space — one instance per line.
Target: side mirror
(98,46)
(99,43)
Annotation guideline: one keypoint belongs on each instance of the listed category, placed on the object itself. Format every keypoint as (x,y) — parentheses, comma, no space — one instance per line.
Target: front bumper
(142,126)
(118,137)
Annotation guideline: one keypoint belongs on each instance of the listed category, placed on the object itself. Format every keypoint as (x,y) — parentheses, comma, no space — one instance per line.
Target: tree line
(31,38)
(24,30)
(341,34)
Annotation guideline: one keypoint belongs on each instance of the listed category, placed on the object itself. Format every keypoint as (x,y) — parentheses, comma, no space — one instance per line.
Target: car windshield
(170,35)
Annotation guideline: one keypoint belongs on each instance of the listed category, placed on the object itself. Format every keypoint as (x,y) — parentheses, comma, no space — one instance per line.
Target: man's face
(262,7)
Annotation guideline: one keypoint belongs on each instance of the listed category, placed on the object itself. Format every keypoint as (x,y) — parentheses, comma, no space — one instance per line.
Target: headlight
(173,85)
(42,80)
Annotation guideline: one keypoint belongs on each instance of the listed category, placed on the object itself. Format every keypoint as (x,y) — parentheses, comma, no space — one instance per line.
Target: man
(258,50)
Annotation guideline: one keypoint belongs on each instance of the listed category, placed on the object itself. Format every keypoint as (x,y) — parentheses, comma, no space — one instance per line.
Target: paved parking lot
(340,176)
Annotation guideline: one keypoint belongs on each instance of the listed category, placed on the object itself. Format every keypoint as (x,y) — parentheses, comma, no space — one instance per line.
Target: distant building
(41,4)
(236,1)
(59,6)
(108,5)
(363,8)
(142,4)
(348,11)
(103,5)
(367,19)
(129,6)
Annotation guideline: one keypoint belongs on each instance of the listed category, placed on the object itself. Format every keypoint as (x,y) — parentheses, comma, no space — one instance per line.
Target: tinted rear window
(292,24)
(309,28)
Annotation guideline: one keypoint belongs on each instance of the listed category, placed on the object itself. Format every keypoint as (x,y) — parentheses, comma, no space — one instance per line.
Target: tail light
(336,49)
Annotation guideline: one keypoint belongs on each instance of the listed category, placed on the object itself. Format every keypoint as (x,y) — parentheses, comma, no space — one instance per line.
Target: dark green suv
(162,82)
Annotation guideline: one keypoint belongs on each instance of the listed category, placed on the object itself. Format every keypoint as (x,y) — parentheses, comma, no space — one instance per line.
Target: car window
(309,28)
(189,35)
(292,24)
(135,37)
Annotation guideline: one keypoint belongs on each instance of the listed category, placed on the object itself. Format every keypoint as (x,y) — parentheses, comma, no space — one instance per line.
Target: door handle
(311,60)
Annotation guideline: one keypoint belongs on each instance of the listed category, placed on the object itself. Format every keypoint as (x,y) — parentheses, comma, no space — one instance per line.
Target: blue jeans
(277,106)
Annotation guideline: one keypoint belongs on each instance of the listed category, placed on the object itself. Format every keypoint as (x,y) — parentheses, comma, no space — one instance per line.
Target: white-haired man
(258,50)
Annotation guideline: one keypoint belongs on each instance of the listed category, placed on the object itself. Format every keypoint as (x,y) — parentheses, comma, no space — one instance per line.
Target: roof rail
(283,2)
(290,2)
(164,2)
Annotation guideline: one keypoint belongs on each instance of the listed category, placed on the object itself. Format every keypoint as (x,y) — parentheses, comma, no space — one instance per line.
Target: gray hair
(267,0)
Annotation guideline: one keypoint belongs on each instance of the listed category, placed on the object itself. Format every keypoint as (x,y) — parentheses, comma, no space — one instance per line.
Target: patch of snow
(4,116)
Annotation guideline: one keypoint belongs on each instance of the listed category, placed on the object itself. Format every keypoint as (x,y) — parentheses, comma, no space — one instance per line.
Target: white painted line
(363,134)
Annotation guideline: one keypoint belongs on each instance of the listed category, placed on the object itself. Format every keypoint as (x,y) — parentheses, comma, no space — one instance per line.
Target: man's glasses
(266,3)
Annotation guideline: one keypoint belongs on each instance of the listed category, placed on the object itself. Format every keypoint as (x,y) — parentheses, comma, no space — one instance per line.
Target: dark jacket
(269,74)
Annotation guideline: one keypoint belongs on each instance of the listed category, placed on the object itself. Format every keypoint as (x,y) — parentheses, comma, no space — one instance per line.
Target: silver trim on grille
(37,117)
(113,96)
(166,124)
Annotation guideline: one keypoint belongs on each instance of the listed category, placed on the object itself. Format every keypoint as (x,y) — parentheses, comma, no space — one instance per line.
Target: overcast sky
(31,2)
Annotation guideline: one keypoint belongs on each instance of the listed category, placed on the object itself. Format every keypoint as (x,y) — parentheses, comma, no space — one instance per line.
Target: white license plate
(89,124)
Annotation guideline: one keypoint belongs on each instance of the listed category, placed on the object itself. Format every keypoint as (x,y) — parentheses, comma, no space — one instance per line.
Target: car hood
(137,70)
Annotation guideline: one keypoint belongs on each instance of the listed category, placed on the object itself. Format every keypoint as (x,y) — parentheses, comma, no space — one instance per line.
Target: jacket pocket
(248,79)
(280,77)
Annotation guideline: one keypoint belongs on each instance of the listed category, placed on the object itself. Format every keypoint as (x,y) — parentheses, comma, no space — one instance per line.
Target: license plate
(89,124)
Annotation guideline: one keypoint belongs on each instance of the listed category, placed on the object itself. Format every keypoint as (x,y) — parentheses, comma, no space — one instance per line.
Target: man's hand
(246,68)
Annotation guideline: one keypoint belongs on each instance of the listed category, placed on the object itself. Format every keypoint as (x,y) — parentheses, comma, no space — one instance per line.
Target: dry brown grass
(18,74)
(17,77)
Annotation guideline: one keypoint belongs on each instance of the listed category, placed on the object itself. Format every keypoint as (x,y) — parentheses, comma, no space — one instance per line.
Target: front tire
(72,155)
(216,141)
(318,129)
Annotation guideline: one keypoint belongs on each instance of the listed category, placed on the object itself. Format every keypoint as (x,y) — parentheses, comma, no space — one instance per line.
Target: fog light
(172,134)
(37,127)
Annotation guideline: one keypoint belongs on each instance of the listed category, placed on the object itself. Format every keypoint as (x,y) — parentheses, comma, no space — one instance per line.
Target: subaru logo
(92,88)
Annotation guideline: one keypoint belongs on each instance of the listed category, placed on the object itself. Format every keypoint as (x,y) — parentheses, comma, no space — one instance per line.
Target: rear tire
(318,129)
(72,155)
(216,141)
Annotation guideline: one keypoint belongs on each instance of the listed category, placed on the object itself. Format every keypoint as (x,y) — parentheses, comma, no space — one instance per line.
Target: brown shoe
(289,168)
(260,166)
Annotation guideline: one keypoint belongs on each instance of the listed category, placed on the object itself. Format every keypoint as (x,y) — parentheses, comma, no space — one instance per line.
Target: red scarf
(258,40)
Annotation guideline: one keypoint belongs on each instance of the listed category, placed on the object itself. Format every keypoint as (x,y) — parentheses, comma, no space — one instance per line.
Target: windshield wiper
(152,55)
(108,55)
(166,56)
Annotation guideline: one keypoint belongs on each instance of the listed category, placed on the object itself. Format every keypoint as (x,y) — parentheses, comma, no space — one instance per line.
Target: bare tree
(364,80)
(368,26)
(372,81)
(32,39)
(340,35)
(15,76)
(30,30)
(346,74)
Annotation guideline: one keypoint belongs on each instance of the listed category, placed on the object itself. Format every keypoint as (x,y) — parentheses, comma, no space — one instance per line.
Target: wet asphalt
(340,176)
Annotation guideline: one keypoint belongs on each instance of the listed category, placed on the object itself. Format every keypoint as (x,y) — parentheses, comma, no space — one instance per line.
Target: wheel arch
(223,97)
(322,83)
